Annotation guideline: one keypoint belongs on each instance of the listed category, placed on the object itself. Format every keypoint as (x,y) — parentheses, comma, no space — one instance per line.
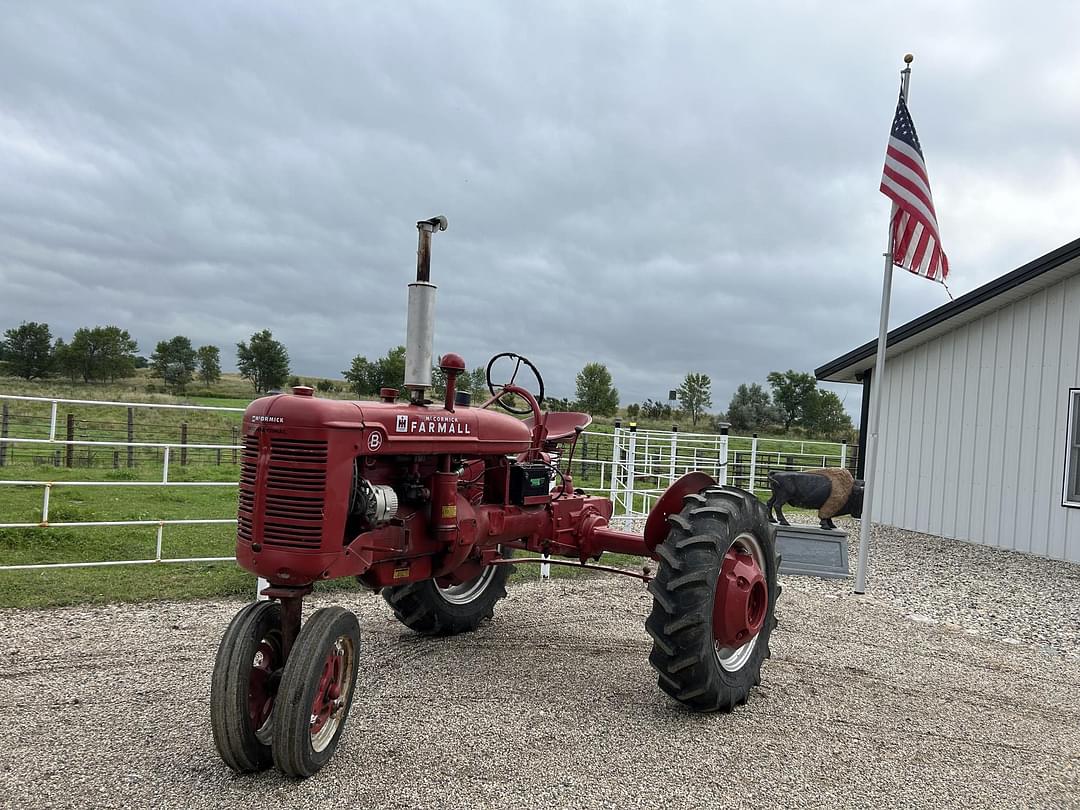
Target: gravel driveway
(553,705)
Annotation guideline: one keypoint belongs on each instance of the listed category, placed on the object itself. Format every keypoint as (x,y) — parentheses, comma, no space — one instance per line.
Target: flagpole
(876,384)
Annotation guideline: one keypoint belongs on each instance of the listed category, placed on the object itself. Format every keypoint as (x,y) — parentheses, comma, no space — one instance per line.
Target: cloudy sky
(662,187)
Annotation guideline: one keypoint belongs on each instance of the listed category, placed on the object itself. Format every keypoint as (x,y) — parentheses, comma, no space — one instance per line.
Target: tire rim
(469,591)
(262,685)
(332,693)
(732,659)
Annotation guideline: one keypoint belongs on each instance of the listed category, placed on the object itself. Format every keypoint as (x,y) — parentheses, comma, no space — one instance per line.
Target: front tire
(316,692)
(243,687)
(719,555)
(432,610)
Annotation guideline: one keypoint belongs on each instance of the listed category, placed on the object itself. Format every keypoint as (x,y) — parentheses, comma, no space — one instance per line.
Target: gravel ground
(1016,598)
(553,705)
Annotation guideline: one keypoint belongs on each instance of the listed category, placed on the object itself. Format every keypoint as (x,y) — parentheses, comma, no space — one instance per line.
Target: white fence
(631,466)
(636,466)
(159,525)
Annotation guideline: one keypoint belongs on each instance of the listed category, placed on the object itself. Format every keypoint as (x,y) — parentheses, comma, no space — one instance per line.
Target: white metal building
(980,414)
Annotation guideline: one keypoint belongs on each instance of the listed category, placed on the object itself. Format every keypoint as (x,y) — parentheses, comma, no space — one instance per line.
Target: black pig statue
(832,491)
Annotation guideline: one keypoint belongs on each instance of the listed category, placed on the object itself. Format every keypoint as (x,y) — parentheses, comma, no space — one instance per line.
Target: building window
(1071,494)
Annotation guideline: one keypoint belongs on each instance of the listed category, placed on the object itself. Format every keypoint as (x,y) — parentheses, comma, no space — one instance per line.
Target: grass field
(43,462)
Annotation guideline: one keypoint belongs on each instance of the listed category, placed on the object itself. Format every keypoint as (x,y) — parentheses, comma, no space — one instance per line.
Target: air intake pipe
(420,327)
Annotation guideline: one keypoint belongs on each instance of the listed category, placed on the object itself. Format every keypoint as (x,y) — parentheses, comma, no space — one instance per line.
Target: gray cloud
(663,188)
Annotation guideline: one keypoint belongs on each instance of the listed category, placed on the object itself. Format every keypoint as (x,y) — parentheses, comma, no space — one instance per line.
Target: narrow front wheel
(244,686)
(316,692)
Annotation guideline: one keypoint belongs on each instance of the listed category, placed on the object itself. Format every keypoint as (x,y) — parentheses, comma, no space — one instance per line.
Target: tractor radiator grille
(295,486)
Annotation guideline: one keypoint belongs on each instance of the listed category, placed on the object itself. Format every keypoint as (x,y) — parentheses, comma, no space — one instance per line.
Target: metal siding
(1063,523)
(999,424)
(918,390)
(953,419)
(973,428)
(924,439)
(1043,476)
(888,436)
(1016,355)
(966,490)
(983,428)
(1027,424)
(890,429)
(1070,538)
(902,464)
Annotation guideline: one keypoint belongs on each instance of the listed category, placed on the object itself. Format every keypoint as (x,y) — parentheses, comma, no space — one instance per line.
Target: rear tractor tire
(432,610)
(244,684)
(713,599)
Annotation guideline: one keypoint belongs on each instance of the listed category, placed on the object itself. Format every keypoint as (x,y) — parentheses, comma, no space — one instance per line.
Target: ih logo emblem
(402,423)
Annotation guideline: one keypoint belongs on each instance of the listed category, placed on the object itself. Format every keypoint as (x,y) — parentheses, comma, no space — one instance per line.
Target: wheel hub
(742,599)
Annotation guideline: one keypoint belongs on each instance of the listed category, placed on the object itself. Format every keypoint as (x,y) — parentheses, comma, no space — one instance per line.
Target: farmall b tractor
(427,502)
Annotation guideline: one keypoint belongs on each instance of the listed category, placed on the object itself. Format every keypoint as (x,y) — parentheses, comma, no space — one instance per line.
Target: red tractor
(427,502)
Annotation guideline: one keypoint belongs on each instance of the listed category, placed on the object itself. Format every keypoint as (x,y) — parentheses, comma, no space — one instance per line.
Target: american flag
(916,244)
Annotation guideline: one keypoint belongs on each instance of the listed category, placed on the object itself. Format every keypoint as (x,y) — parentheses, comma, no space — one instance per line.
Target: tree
(595,393)
(792,393)
(100,354)
(390,370)
(26,350)
(264,361)
(475,382)
(359,376)
(655,410)
(209,358)
(366,377)
(65,361)
(325,386)
(750,408)
(174,362)
(633,411)
(825,417)
(695,395)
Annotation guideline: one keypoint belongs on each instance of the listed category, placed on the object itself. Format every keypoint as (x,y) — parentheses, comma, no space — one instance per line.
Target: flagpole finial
(909,58)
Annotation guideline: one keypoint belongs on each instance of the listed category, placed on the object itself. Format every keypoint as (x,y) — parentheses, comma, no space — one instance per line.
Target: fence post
(843,455)
(183,444)
(724,456)
(116,459)
(616,453)
(584,453)
(69,458)
(628,503)
(219,456)
(674,450)
(235,441)
(753,464)
(131,436)
(3,434)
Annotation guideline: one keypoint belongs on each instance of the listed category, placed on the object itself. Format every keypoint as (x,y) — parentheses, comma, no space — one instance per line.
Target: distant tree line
(102,354)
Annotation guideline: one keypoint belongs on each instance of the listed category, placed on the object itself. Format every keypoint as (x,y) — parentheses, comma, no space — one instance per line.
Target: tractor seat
(562,425)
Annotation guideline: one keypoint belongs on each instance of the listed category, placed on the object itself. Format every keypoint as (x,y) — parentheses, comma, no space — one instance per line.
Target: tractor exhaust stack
(420,327)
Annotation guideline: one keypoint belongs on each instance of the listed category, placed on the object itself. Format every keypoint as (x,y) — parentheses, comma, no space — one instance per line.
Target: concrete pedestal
(812,551)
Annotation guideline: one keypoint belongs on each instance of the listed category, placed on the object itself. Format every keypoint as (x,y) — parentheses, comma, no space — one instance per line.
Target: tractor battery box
(529,484)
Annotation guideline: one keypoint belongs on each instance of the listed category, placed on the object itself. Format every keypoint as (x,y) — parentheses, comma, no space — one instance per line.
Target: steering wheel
(518,362)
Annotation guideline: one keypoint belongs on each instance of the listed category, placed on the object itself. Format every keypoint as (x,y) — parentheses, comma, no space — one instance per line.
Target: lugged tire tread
(680,623)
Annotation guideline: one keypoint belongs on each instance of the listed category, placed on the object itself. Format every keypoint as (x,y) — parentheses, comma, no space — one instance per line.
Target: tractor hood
(393,428)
